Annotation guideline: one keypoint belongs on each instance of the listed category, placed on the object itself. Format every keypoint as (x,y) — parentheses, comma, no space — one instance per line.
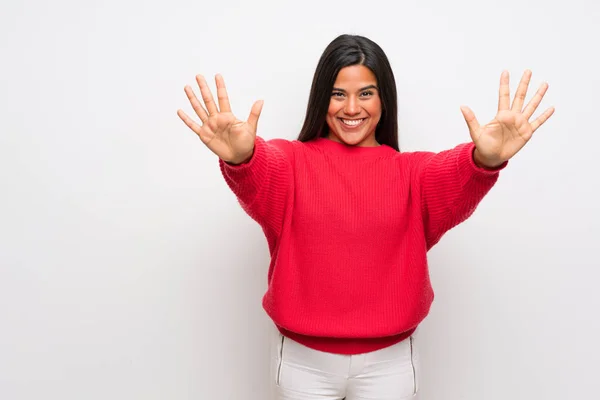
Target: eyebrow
(360,90)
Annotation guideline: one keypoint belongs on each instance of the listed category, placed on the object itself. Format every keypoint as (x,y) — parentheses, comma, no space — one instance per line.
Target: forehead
(355,75)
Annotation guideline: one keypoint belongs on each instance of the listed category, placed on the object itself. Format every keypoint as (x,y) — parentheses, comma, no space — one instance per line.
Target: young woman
(349,218)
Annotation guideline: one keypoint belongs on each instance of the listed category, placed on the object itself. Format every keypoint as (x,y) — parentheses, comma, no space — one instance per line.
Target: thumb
(255,114)
(472,122)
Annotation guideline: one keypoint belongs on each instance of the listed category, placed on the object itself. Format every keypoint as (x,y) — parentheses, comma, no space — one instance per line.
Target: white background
(129,271)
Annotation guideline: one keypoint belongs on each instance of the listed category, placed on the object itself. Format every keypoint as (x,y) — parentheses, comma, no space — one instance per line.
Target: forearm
(262,183)
(452,186)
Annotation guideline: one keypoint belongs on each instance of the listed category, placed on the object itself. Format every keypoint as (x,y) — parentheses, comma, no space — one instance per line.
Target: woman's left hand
(510,130)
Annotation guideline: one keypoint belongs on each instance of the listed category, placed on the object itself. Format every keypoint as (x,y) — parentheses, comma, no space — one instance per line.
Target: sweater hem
(347,346)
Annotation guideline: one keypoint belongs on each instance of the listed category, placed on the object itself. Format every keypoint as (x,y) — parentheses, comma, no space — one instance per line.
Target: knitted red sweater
(348,230)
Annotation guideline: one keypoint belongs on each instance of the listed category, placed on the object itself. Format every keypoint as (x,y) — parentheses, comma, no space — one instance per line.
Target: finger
(519,99)
(207,96)
(535,101)
(255,114)
(542,118)
(504,94)
(472,122)
(224,105)
(192,125)
(200,111)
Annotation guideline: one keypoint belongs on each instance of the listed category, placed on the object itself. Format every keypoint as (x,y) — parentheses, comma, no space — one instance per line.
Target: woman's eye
(367,93)
(337,94)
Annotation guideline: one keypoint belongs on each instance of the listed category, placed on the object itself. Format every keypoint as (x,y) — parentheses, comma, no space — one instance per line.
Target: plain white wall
(127,268)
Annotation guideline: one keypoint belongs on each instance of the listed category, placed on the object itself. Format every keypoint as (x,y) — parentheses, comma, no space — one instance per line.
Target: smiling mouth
(352,123)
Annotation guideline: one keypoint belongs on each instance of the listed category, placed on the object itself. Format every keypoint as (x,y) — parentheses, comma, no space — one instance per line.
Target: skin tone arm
(503,137)
(231,139)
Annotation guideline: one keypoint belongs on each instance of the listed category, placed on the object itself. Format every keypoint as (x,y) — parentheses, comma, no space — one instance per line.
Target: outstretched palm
(228,137)
(510,130)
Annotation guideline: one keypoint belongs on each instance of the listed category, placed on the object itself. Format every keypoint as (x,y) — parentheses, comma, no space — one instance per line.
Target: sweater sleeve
(264,184)
(451,187)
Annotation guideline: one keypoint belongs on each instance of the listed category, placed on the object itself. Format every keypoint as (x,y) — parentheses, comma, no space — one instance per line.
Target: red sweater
(348,230)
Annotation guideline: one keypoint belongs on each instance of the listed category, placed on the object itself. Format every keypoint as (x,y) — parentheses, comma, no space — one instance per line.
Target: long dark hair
(344,51)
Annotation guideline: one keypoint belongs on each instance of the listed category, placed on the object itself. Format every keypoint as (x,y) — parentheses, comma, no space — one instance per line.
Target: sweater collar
(338,148)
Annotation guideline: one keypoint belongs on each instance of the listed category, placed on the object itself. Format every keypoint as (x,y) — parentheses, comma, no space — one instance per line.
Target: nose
(352,107)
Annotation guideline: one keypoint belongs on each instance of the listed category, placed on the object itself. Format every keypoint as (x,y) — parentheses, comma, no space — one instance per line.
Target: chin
(348,141)
(351,139)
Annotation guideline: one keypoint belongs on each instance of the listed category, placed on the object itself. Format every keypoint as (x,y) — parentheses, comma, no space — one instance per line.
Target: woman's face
(355,107)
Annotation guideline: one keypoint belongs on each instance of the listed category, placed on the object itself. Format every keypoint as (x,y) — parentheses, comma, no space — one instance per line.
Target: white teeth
(352,122)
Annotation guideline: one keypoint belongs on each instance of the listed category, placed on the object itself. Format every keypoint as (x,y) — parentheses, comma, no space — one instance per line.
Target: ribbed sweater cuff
(467,167)
(246,179)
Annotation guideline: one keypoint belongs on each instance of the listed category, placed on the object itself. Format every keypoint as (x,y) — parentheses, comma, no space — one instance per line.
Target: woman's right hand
(231,139)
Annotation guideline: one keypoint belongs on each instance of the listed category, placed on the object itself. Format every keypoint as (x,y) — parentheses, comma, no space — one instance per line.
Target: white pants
(301,373)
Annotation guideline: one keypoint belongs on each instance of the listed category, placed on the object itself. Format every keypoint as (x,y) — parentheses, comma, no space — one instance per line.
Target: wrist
(242,160)
(484,163)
